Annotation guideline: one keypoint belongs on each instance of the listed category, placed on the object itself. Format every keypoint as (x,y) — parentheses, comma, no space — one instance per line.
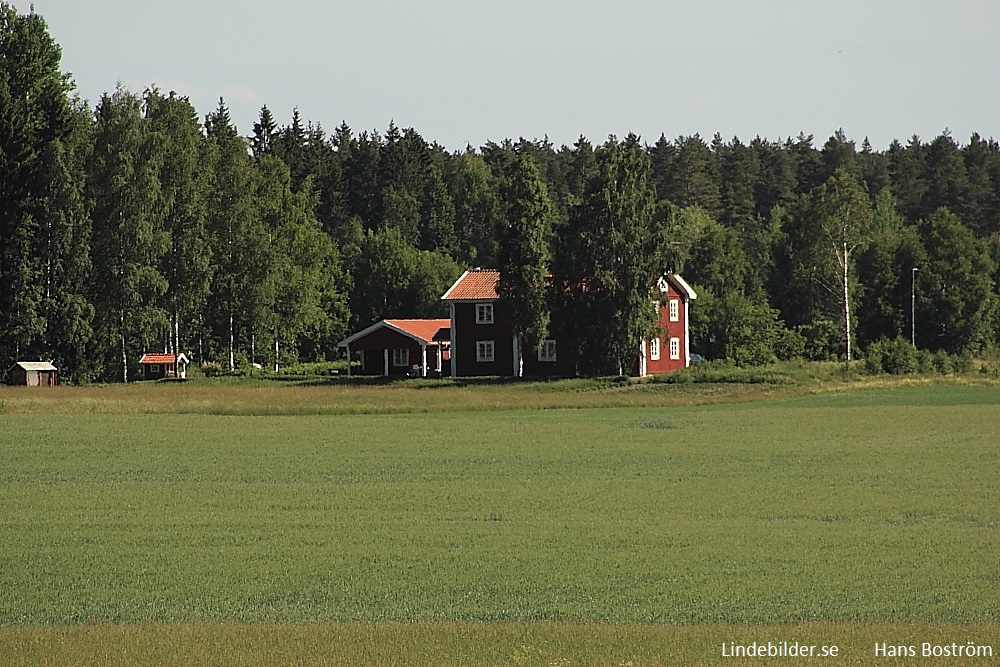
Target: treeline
(137,226)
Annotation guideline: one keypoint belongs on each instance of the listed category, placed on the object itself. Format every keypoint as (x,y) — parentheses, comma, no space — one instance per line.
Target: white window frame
(675,348)
(484,313)
(675,310)
(154,368)
(485,351)
(401,357)
(547,350)
(654,349)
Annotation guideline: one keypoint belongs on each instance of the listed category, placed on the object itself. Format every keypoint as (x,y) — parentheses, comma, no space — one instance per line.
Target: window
(675,310)
(675,348)
(401,357)
(484,313)
(654,349)
(484,350)
(547,350)
(154,368)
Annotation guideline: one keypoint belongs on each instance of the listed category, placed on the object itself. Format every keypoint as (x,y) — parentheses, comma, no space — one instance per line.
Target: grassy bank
(314,395)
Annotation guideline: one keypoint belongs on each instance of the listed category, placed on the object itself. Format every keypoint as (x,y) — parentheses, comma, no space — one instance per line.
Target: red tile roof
(157,359)
(474,285)
(423,329)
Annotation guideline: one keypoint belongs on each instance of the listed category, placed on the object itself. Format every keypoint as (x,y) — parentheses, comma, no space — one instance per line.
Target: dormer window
(484,313)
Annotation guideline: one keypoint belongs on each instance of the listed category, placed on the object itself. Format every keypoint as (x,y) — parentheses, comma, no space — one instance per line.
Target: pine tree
(264,131)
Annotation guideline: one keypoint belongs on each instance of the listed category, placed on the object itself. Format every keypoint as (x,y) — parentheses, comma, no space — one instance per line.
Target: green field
(596,535)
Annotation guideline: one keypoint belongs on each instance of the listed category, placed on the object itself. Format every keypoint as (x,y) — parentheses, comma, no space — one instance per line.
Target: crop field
(646,527)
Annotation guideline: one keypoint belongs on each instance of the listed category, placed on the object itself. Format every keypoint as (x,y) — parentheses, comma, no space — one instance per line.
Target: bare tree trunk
(276,350)
(847,308)
(177,335)
(124,351)
(232,353)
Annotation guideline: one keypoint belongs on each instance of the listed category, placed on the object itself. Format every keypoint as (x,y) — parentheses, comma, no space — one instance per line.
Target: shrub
(874,356)
(941,362)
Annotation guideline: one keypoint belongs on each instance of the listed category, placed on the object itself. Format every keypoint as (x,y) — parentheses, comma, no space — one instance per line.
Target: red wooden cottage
(401,347)
(158,366)
(482,344)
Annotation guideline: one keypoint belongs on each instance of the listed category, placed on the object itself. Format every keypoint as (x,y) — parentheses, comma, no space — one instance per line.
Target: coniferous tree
(264,130)
(981,211)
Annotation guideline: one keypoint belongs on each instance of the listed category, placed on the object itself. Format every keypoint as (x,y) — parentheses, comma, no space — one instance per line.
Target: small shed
(33,374)
(158,366)
(401,347)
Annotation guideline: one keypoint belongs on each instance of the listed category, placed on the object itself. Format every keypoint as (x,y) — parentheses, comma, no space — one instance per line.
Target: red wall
(373,348)
(669,330)
(464,352)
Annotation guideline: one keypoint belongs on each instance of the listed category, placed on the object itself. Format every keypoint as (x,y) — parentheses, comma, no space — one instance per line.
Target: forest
(137,224)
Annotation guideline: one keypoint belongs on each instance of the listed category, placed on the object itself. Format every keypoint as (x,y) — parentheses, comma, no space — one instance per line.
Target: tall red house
(483,344)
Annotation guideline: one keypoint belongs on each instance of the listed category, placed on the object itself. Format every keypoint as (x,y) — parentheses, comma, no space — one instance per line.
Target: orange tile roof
(423,329)
(157,359)
(474,285)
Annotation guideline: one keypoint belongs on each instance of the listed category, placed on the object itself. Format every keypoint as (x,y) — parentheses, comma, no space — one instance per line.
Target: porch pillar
(423,361)
(385,355)
(454,357)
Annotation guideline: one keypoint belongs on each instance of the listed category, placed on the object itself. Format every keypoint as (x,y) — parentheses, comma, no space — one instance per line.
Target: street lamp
(913,306)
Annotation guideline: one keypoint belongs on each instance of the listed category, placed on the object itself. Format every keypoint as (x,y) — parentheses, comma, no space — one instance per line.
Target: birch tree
(838,219)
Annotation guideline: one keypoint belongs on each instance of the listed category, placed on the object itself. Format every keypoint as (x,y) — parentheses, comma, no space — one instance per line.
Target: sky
(467,72)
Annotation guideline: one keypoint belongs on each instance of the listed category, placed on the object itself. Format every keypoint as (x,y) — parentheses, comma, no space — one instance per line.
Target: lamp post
(913,306)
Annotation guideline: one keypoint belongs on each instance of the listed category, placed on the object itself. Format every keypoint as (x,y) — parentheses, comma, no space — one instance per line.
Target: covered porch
(415,348)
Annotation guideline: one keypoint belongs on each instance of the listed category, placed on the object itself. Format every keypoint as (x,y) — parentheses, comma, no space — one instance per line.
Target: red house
(482,344)
(158,366)
(401,347)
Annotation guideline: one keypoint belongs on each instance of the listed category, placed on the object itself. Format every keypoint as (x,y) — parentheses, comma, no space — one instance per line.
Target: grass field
(650,530)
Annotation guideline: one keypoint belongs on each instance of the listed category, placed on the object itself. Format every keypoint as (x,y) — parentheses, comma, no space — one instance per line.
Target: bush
(898,357)
(874,356)
(962,363)
(941,362)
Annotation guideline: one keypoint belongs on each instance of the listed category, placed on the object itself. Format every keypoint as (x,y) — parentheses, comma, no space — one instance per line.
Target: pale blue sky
(468,72)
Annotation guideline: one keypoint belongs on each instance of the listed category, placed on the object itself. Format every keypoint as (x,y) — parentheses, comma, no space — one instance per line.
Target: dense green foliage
(134,227)
(867,505)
